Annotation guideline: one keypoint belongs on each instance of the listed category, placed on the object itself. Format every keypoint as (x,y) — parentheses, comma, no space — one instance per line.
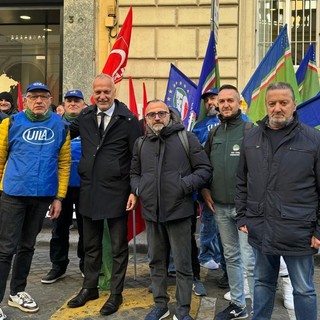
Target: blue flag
(309,112)
(209,77)
(307,75)
(180,95)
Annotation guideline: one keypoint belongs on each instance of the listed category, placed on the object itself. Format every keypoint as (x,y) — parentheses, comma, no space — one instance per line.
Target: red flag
(145,100)
(20,100)
(132,99)
(140,226)
(117,60)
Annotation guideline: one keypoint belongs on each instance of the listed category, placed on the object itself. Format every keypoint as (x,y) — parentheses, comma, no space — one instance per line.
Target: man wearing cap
(59,243)
(6,103)
(209,247)
(34,172)
(209,240)
(202,128)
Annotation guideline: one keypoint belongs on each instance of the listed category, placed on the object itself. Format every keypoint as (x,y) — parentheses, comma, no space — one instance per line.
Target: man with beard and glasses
(277,201)
(165,174)
(223,149)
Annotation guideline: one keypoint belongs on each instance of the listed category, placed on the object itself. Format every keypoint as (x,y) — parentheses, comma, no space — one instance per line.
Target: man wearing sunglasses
(164,174)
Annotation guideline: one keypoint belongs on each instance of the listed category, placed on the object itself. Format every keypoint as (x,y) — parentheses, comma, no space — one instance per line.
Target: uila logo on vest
(38,135)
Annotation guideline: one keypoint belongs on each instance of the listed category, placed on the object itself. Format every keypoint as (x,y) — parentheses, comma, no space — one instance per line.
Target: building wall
(164,32)
(177,31)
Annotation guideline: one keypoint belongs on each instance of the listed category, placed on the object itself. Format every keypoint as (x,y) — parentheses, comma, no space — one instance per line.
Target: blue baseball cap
(210,91)
(74,93)
(38,86)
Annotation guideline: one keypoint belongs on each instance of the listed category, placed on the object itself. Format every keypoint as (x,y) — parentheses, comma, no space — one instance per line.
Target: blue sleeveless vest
(74,179)
(34,147)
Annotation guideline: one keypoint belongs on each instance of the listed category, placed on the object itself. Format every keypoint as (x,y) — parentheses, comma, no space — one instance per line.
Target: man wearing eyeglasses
(34,172)
(164,174)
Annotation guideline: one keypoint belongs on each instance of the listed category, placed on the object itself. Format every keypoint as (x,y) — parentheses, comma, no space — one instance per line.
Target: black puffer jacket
(277,195)
(165,177)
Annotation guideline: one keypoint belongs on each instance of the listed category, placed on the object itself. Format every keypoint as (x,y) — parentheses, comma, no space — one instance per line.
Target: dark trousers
(92,236)
(59,243)
(194,247)
(177,235)
(21,220)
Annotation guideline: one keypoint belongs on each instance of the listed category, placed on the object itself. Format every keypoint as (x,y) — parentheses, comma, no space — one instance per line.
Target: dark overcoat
(105,164)
(278,193)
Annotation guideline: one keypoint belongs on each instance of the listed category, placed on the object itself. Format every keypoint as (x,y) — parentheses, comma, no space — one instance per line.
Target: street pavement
(137,303)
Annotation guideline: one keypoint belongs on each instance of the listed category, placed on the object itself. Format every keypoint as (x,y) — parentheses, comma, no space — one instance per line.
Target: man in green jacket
(223,149)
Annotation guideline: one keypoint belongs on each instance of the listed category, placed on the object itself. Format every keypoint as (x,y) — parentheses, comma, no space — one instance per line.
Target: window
(30,42)
(303,27)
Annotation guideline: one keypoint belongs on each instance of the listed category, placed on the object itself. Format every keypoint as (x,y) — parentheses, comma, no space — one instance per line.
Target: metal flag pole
(134,245)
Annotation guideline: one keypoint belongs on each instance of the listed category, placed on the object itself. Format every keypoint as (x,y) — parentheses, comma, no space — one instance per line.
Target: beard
(212,111)
(279,122)
(157,127)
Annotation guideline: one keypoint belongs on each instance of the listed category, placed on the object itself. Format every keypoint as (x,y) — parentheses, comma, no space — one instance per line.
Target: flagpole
(212,15)
(134,245)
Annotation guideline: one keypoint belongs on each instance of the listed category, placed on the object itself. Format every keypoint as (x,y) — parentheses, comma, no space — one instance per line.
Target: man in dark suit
(108,131)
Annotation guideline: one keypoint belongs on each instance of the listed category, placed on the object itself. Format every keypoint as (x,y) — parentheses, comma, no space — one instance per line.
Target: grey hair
(104,76)
(281,86)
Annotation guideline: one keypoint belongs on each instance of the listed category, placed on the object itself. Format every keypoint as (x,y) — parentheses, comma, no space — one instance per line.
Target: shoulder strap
(184,141)
(139,144)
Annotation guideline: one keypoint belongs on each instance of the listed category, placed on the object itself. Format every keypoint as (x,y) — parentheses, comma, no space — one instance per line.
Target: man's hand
(132,202)
(315,243)
(244,229)
(55,209)
(208,199)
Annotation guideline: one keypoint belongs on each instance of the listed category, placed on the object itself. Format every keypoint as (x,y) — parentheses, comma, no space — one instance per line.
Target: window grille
(303,27)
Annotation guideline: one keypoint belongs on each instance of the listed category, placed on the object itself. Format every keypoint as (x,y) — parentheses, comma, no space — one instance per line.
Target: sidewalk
(52,298)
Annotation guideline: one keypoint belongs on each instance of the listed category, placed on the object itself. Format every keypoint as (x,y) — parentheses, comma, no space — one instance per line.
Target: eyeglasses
(160,114)
(35,97)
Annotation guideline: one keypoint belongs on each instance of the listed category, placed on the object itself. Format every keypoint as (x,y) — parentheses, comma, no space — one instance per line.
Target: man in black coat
(164,174)
(277,202)
(108,131)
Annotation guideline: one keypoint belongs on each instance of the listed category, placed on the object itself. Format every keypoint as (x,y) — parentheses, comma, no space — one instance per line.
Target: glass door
(30,48)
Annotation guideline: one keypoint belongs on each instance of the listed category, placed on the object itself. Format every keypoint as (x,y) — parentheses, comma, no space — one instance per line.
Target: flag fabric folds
(145,99)
(275,66)
(132,99)
(307,75)
(180,95)
(140,225)
(20,100)
(309,111)
(138,221)
(117,60)
(209,77)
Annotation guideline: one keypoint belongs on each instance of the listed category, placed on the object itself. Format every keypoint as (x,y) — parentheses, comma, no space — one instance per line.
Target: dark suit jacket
(104,165)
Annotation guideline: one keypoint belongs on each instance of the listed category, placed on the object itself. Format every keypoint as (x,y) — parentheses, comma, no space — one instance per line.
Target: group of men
(260,183)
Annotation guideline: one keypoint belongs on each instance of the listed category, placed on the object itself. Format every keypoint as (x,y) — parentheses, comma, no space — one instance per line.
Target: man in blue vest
(34,173)
(59,243)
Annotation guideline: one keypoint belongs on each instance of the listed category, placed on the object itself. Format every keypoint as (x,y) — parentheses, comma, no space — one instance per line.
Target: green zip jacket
(223,151)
